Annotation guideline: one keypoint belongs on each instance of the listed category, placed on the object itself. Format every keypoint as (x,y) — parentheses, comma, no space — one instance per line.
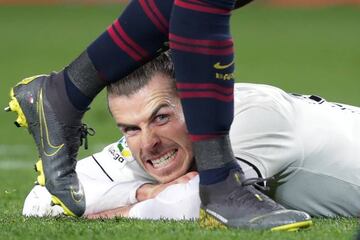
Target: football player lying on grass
(302,149)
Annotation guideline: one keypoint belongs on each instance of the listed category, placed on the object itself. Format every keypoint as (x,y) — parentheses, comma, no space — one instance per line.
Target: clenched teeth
(162,161)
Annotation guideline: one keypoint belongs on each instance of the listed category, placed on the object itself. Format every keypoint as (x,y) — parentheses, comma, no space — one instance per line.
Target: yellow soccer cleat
(57,137)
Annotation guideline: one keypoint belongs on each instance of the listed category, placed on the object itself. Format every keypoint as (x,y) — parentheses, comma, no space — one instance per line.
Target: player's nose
(149,141)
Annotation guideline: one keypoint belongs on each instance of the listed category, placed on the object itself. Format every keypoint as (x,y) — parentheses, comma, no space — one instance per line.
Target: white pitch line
(14,149)
(15,165)
(17,154)
(21,149)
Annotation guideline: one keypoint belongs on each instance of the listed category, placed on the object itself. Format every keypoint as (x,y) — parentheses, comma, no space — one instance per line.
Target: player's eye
(161,119)
(129,131)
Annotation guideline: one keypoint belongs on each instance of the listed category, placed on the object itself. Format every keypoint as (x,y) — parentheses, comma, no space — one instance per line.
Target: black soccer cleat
(231,203)
(57,138)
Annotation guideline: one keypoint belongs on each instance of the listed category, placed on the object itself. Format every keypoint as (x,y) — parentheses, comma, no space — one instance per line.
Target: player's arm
(160,201)
(117,212)
(149,191)
(176,202)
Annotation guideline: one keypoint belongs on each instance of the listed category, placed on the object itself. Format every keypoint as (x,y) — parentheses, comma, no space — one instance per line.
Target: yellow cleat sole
(41,180)
(14,106)
(293,226)
(57,201)
(40,170)
(209,222)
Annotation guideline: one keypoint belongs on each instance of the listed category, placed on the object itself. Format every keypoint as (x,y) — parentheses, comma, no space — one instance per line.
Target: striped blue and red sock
(202,50)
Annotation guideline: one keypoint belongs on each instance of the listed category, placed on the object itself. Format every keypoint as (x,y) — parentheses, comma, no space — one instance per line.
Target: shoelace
(84,132)
(255,182)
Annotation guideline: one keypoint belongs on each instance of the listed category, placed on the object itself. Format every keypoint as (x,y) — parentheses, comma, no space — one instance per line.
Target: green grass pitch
(300,50)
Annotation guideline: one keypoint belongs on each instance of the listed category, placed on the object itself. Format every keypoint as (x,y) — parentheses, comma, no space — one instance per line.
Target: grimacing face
(153,123)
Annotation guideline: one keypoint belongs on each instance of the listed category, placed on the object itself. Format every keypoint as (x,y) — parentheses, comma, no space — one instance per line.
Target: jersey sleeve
(102,196)
(177,202)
